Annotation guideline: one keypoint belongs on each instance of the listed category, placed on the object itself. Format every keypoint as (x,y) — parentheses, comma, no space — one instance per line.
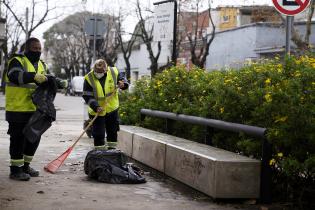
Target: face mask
(33,56)
(99,75)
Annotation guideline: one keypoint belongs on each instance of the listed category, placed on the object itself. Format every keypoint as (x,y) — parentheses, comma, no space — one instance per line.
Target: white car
(77,85)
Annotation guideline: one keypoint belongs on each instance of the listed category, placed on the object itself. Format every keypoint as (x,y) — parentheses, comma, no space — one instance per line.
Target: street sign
(291,7)
(95,26)
(163,22)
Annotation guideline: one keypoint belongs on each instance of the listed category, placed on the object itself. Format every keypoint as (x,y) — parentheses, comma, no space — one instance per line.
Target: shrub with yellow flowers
(277,95)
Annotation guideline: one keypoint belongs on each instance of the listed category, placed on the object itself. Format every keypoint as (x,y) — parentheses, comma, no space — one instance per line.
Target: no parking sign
(291,7)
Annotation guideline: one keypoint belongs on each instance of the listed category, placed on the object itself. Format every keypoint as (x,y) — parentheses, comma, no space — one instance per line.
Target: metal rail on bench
(265,182)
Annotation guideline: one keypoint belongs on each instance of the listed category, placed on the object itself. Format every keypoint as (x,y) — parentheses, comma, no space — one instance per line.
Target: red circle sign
(291,7)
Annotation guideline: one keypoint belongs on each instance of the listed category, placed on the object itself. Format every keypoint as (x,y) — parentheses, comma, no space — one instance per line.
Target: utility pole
(174,34)
(94,39)
(26,24)
(288,34)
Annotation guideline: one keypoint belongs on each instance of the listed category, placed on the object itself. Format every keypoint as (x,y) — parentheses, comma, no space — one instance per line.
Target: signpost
(95,29)
(290,8)
(165,23)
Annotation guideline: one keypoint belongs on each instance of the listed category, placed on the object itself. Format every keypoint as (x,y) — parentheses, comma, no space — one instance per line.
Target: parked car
(77,85)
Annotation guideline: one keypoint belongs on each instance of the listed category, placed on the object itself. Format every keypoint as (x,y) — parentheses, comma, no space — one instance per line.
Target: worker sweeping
(25,72)
(101,94)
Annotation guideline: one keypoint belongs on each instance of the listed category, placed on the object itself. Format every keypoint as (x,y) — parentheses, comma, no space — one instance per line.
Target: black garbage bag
(43,97)
(36,126)
(110,166)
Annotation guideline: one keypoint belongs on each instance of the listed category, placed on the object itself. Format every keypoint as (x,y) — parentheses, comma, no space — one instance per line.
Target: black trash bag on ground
(110,166)
(43,97)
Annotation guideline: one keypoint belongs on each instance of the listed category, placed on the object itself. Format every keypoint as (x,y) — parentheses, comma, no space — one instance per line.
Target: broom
(53,166)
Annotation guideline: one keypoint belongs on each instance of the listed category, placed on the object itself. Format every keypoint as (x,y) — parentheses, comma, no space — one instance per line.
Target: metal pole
(288,31)
(94,40)
(174,34)
(219,124)
(26,24)
(266,173)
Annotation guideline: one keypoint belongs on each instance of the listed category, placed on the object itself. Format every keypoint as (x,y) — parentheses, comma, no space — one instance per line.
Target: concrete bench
(215,172)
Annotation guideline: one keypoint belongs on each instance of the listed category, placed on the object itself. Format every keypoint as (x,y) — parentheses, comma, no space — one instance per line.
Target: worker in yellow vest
(25,72)
(100,92)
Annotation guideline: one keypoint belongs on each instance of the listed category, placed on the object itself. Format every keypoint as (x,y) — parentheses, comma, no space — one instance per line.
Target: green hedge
(267,94)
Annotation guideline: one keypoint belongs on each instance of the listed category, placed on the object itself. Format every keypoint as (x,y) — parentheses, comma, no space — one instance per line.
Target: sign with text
(291,7)
(163,22)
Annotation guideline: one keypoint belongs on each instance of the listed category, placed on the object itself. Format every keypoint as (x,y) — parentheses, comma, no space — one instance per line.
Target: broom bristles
(53,166)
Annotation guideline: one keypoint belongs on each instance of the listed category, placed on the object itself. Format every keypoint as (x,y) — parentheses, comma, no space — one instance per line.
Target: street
(70,188)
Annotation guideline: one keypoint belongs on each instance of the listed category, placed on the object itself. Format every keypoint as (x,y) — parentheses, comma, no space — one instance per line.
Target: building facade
(235,47)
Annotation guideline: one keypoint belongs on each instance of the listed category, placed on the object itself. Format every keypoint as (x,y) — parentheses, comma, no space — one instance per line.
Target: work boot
(30,171)
(18,174)
(111,145)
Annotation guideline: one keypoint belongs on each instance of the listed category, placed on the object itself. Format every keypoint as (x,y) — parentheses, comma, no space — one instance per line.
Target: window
(226,18)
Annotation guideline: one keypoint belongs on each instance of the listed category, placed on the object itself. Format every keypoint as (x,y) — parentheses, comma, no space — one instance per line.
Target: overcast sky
(67,7)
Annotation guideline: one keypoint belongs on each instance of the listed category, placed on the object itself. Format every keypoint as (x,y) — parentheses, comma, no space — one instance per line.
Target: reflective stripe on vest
(108,101)
(18,98)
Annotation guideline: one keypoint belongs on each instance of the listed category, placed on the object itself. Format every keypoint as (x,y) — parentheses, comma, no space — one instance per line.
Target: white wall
(231,48)
(140,62)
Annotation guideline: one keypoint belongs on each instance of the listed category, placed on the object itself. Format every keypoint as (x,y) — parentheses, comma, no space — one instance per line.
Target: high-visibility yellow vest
(18,98)
(106,95)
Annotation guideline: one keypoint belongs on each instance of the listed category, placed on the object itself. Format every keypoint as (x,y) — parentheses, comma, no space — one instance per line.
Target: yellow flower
(268,97)
(221,110)
(159,83)
(279,68)
(281,119)
(280,154)
(272,162)
(268,81)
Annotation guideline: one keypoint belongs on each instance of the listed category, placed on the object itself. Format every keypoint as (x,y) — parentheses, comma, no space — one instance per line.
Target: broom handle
(85,129)
(91,122)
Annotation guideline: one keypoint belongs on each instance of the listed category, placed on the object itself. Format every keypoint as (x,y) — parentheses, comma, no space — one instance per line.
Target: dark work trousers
(19,145)
(108,123)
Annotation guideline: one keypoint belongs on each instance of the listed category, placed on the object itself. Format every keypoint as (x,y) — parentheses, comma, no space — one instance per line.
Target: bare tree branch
(15,16)
(201,42)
